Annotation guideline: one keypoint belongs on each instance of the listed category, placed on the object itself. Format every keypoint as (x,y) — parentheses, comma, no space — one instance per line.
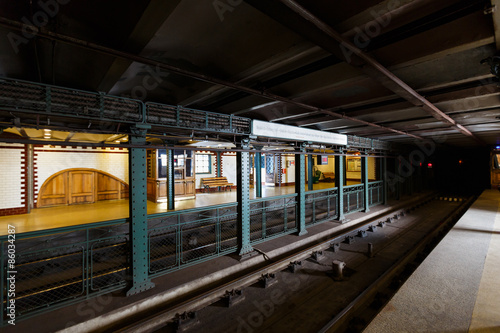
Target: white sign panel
(280,131)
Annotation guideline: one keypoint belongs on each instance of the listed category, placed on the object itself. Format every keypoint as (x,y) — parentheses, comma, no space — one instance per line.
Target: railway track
(200,308)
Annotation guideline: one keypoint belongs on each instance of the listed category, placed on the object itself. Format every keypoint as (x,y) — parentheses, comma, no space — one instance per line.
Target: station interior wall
(48,160)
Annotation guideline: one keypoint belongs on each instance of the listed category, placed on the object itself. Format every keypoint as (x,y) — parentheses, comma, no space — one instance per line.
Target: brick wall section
(49,160)
(13,179)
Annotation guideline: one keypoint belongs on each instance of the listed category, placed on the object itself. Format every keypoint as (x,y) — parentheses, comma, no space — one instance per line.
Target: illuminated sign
(280,131)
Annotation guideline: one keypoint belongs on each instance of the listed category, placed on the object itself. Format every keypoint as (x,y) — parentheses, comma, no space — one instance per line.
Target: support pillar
(364,179)
(309,172)
(258,174)
(243,197)
(138,213)
(300,188)
(219,165)
(170,180)
(384,179)
(340,178)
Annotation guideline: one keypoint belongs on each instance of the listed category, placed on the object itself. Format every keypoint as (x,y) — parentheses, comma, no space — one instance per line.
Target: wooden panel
(179,188)
(78,186)
(162,189)
(107,188)
(54,193)
(190,187)
(151,190)
(81,187)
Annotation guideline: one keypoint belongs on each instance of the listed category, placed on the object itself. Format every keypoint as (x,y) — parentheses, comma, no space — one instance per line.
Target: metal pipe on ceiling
(19,26)
(421,101)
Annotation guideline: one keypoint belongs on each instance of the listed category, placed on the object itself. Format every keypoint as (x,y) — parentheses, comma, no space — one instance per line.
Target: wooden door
(190,187)
(81,187)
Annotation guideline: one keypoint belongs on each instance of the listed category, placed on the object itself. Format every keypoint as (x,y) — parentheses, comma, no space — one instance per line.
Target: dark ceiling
(397,70)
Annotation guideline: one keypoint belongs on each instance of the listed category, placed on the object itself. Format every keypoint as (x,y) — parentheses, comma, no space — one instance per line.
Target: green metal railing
(353,198)
(321,206)
(272,217)
(375,193)
(59,266)
(181,238)
(181,117)
(36,98)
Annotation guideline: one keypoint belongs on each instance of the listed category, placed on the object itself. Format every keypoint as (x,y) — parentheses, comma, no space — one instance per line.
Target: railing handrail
(191,210)
(53,231)
(353,186)
(322,190)
(283,196)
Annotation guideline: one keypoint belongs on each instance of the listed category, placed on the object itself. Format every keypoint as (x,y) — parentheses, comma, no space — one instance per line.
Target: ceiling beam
(495,4)
(152,18)
(19,26)
(388,79)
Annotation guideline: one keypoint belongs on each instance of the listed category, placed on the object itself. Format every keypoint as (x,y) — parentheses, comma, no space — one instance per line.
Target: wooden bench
(219,182)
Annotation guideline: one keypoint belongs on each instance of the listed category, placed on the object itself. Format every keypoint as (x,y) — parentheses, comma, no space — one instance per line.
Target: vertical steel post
(170,180)
(300,188)
(339,181)
(309,172)
(138,212)
(258,174)
(243,197)
(219,166)
(384,179)
(364,177)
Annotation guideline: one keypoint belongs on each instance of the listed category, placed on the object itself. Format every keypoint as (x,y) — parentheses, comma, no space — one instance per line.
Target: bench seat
(213,182)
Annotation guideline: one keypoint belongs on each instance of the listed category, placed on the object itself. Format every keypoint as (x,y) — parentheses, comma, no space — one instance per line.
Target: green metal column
(138,213)
(219,165)
(340,178)
(383,174)
(300,188)
(243,197)
(170,180)
(364,179)
(258,175)
(309,172)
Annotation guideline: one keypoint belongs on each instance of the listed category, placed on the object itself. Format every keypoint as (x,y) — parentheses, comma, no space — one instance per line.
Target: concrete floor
(457,287)
(62,216)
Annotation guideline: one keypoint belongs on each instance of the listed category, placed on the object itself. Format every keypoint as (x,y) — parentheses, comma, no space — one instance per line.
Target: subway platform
(457,287)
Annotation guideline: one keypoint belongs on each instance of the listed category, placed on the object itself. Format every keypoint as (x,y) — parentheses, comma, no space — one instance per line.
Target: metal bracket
(349,239)
(185,321)
(317,255)
(372,228)
(335,247)
(293,266)
(268,280)
(381,224)
(362,234)
(233,297)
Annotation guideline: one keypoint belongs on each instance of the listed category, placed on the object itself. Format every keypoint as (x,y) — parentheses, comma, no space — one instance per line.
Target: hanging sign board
(280,131)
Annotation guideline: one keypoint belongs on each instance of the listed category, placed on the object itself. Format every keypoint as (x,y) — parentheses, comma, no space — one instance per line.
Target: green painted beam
(138,214)
(300,188)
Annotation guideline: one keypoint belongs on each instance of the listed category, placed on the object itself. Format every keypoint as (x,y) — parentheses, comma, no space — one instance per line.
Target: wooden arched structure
(80,186)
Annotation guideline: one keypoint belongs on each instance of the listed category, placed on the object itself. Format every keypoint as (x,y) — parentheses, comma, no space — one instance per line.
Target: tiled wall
(13,179)
(51,159)
(229,167)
